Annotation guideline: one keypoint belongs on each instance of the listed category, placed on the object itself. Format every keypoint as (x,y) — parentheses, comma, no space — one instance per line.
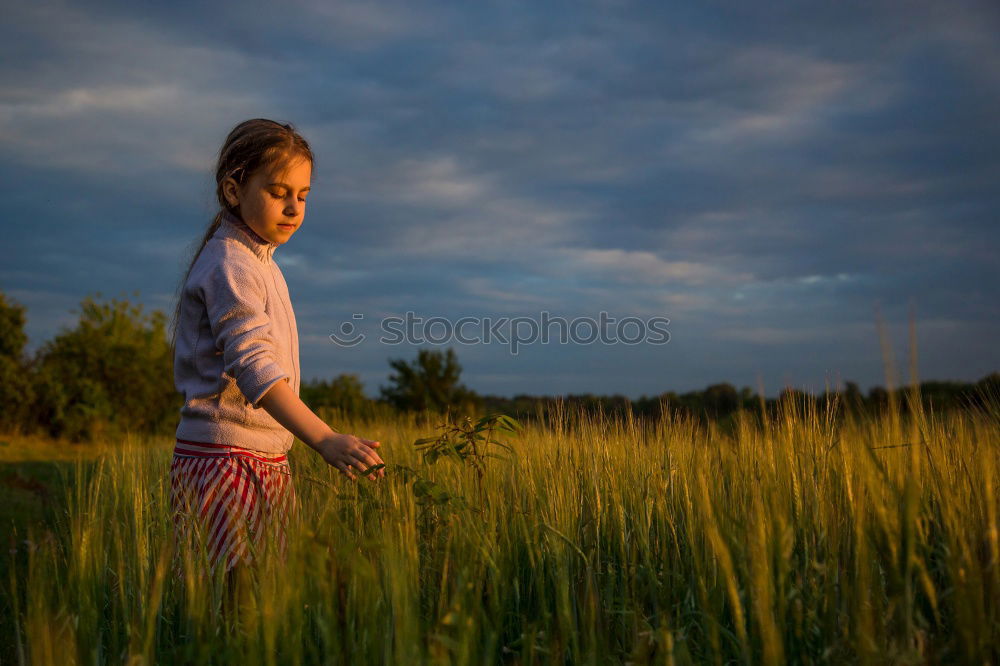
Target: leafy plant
(467,443)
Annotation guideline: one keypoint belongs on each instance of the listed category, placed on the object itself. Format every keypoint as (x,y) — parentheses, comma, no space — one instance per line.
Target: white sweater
(236,337)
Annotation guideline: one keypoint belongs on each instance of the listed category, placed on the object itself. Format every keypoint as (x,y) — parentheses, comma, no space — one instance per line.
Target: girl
(236,357)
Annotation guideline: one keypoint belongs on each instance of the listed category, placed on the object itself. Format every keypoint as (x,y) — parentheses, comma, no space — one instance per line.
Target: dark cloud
(762,176)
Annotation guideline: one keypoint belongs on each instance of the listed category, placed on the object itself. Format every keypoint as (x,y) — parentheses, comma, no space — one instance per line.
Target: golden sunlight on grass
(805,536)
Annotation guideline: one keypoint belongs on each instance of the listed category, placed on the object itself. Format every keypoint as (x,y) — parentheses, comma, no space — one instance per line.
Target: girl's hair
(251,145)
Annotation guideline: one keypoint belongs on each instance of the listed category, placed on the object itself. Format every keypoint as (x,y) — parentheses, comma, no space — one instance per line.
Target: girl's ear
(230,191)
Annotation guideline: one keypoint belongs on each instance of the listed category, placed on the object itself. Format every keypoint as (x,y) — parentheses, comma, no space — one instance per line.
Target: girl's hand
(347,451)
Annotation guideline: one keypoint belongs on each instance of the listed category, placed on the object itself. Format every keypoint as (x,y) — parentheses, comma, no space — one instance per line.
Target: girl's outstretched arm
(340,450)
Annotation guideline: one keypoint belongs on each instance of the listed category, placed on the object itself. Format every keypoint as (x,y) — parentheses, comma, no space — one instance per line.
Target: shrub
(113,372)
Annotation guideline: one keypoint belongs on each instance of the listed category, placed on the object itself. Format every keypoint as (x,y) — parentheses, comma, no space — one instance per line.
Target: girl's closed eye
(275,195)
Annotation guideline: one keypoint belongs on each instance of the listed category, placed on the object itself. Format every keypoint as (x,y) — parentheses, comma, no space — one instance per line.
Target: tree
(345,392)
(720,400)
(114,371)
(853,398)
(878,397)
(429,383)
(16,391)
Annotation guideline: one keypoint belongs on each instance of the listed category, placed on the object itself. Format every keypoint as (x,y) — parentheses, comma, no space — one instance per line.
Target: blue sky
(765,177)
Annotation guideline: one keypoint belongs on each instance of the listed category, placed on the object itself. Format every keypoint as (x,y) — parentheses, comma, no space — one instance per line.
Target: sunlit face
(273,201)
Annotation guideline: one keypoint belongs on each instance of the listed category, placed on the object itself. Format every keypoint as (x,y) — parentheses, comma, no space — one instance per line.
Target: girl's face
(273,201)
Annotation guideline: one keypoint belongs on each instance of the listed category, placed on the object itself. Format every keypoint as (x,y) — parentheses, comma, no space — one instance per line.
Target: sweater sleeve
(234,297)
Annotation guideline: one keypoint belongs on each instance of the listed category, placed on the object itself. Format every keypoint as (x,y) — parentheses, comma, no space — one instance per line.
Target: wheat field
(804,537)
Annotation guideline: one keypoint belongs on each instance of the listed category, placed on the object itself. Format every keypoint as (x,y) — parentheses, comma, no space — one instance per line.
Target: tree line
(113,373)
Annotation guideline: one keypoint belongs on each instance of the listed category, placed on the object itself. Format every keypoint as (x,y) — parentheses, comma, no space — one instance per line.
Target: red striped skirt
(230,503)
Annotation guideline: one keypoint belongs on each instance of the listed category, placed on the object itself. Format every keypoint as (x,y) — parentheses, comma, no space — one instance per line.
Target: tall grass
(806,536)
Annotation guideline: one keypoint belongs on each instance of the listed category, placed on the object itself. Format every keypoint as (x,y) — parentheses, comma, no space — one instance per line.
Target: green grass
(805,539)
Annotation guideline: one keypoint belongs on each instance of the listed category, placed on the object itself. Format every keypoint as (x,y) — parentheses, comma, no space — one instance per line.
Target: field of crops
(802,538)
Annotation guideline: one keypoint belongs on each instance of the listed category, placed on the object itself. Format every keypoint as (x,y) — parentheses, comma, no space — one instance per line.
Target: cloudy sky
(767,179)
